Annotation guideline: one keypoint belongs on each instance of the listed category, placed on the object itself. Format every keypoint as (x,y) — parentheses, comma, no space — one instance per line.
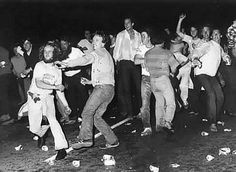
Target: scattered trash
(18,148)
(175,165)
(221,123)
(51,162)
(227,130)
(45,148)
(224,151)
(76,163)
(128,123)
(79,119)
(203,133)
(234,152)
(35,138)
(153,168)
(134,131)
(209,157)
(108,160)
(205,120)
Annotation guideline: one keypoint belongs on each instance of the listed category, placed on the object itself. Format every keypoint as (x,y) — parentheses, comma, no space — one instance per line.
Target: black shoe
(61,154)
(41,141)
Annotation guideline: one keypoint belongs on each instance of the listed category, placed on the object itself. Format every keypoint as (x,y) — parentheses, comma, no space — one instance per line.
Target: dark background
(44,20)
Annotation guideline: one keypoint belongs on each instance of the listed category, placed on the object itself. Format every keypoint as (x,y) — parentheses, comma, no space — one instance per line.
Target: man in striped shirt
(159,61)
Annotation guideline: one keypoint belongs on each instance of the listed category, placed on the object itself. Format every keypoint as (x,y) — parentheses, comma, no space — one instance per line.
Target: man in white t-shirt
(46,78)
(86,43)
(210,53)
(145,83)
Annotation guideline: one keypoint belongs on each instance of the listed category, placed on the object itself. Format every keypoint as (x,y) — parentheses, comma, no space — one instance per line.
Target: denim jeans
(215,97)
(146,95)
(95,107)
(165,99)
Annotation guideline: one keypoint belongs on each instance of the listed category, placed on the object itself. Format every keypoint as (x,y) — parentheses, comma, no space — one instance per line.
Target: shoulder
(39,65)
(121,33)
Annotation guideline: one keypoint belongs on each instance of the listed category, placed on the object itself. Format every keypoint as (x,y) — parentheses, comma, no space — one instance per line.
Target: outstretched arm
(178,28)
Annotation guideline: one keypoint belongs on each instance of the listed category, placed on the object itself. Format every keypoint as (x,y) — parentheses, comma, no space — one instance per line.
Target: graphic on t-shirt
(49,79)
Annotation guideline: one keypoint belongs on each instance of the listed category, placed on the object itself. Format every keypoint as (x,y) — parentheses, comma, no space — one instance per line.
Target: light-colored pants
(165,99)
(184,77)
(45,106)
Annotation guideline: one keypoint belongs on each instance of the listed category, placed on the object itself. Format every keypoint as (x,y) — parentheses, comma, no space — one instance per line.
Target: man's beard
(51,60)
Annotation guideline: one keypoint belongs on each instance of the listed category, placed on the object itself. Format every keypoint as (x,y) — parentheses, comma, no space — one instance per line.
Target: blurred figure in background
(5,77)
(19,66)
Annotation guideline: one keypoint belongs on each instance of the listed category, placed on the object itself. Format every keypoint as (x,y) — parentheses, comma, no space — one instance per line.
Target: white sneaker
(147,131)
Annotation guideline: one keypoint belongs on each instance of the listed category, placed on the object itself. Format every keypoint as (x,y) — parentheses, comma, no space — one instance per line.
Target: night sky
(44,20)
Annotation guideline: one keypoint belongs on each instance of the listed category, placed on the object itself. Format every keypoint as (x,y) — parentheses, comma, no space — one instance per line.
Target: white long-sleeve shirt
(126,48)
(210,54)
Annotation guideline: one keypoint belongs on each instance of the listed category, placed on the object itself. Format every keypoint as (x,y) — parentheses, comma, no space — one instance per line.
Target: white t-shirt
(48,73)
(141,51)
(75,52)
(210,59)
(192,43)
(85,43)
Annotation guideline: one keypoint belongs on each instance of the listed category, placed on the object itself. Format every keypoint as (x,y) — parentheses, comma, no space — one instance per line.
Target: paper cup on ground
(209,157)
(153,168)
(18,148)
(76,163)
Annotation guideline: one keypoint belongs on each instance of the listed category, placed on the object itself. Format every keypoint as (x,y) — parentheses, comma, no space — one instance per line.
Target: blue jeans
(146,95)
(92,113)
(165,99)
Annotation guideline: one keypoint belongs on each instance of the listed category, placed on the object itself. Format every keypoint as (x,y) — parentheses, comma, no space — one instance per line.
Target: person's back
(157,62)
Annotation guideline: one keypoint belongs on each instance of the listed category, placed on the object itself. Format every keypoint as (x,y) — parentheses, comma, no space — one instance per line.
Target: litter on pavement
(76,163)
(227,130)
(45,148)
(203,133)
(210,157)
(153,168)
(175,165)
(224,151)
(108,160)
(18,148)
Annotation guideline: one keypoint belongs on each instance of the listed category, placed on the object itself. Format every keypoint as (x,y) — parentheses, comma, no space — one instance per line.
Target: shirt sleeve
(116,51)
(38,71)
(59,79)
(187,38)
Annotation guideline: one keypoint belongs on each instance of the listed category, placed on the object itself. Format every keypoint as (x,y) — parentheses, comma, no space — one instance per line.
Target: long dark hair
(56,50)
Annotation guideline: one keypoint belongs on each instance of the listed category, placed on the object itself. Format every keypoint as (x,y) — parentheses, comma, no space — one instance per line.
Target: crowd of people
(174,67)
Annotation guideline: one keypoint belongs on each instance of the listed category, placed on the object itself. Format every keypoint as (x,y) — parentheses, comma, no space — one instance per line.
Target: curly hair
(56,50)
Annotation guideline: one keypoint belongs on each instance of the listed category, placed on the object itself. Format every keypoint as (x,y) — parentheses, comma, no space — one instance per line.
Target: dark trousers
(214,96)
(76,94)
(4,93)
(129,87)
